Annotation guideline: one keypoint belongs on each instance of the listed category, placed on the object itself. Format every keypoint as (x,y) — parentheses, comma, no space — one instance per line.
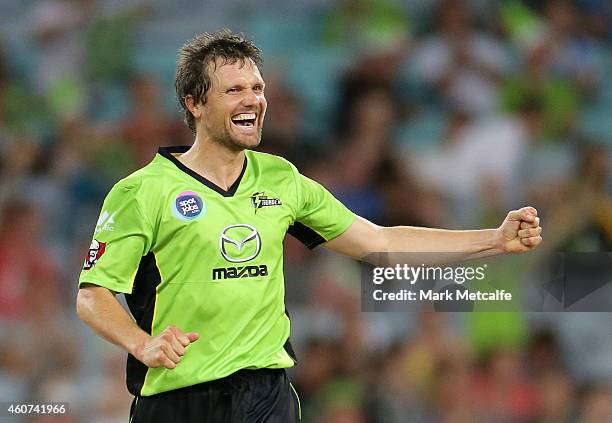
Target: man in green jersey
(194,241)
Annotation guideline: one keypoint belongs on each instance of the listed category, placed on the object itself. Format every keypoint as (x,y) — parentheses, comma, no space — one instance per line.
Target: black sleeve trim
(305,235)
(141,303)
(288,347)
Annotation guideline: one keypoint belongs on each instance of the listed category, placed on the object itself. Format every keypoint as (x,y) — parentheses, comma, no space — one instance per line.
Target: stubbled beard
(224,138)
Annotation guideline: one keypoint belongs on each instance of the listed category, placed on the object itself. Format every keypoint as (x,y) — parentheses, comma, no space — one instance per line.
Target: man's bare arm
(519,232)
(98,308)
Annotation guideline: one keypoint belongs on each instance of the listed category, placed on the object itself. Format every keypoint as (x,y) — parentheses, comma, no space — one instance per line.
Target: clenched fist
(520,231)
(165,349)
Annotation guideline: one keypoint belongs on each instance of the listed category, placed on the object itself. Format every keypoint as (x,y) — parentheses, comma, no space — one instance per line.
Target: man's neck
(215,162)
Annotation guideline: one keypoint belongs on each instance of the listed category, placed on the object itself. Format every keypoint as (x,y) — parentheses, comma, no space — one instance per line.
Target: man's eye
(233,90)
(258,88)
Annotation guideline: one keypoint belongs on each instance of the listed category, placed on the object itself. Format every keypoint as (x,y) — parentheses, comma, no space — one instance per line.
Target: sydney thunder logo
(260,199)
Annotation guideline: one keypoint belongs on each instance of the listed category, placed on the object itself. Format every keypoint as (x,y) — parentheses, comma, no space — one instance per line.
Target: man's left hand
(520,231)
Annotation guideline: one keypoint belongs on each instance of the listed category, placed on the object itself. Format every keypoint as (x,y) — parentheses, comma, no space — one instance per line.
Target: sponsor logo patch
(96,249)
(188,205)
(239,243)
(260,199)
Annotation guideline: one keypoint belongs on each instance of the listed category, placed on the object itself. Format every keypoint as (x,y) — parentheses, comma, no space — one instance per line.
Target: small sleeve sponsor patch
(96,249)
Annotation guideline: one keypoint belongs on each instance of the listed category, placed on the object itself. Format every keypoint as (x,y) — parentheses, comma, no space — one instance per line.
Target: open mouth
(245,120)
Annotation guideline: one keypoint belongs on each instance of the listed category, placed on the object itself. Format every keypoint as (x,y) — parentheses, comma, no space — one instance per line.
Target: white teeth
(244,116)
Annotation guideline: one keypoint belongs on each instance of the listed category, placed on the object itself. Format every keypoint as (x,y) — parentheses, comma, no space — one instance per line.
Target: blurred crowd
(441,113)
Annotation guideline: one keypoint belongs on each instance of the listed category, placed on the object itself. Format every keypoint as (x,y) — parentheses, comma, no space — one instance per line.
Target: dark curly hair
(192,78)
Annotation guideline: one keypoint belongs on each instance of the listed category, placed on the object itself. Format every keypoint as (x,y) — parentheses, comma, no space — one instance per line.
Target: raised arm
(519,232)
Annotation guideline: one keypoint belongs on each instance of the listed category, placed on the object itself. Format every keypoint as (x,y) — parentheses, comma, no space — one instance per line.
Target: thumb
(193,336)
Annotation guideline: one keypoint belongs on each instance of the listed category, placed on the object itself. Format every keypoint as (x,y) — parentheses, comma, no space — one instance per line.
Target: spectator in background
(4,78)
(461,64)
(393,389)
(502,391)
(596,404)
(26,267)
(543,353)
(30,303)
(555,392)
(558,96)
(17,159)
(367,174)
(283,130)
(321,366)
(358,23)
(415,376)
(23,113)
(586,206)
(569,52)
(448,402)
(110,43)
(110,404)
(597,18)
(147,126)
(563,65)
(478,161)
(57,30)
(364,144)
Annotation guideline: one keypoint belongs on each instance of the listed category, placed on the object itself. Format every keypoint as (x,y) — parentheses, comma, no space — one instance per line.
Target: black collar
(168,153)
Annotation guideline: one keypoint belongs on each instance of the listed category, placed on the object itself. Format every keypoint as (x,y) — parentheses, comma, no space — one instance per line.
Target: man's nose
(250,98)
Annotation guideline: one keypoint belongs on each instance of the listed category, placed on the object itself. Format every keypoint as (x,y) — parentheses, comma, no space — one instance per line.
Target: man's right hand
(165,349)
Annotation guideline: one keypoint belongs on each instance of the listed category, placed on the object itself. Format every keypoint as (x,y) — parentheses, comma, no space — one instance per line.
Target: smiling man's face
(235,105)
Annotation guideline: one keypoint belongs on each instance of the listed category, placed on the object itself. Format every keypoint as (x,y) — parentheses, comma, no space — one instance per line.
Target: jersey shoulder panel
(280,173)
(143,185)
(271,161)
(139,178)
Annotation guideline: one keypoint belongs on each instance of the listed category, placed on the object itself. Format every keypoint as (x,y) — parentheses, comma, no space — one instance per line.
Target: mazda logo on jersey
(239,243)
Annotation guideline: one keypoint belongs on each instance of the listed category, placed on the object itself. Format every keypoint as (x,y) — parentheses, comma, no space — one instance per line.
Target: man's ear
(194,108)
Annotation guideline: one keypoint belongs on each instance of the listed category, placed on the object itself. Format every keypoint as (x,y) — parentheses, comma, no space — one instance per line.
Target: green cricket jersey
(188,253)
